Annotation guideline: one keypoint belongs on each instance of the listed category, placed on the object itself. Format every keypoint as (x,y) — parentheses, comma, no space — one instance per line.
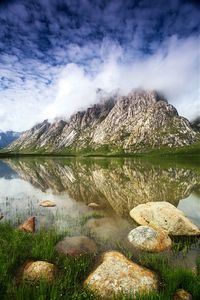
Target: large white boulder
(164,215)
(116,274)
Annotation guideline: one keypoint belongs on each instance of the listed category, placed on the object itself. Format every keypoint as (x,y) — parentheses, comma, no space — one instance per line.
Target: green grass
(190,152)
(171,279)
(184,243)
(16,247)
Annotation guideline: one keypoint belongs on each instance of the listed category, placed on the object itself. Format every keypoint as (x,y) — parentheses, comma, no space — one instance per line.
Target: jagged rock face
(141,120)
(29,139)
(115,187)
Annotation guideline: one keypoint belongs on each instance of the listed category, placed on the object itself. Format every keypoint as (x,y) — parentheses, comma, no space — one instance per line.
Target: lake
(117,185)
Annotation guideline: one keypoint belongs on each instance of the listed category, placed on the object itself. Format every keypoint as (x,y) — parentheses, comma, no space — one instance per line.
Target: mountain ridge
(141,120)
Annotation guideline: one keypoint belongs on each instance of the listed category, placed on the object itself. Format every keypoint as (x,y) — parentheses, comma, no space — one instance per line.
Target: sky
(56,54)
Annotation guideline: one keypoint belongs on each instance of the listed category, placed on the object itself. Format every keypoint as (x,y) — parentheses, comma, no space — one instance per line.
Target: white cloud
(173,69)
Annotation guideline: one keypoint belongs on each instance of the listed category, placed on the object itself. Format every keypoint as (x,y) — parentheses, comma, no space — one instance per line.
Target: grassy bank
(190,152)
(17,247)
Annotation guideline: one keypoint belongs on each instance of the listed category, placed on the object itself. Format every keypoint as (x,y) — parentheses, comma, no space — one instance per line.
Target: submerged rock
(116,274)
(28,225)
(165,216)
(76,245)
(94,205)
(47,203)
(38,270)
(107,228)
(182,295)
(148,239)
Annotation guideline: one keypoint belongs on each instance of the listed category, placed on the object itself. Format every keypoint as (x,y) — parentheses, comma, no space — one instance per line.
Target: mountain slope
(7,138)
(136,122)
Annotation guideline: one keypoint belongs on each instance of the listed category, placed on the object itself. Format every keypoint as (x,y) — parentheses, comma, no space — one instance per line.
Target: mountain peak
(151,96)
(138,121)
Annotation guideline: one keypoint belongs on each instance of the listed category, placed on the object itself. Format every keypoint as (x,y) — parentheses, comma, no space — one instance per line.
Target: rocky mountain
(136,122)
(7,138)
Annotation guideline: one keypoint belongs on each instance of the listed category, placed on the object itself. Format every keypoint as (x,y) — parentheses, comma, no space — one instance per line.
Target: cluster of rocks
(115,273)
(158,220)
(165,216)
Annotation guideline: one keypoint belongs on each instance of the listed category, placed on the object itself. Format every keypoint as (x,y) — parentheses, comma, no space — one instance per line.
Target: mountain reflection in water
(116,185)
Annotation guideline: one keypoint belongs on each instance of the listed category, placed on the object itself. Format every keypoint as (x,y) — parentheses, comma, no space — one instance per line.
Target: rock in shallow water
(148,239)
(76,245)
(47,203)
(28,225)
(116,274)
(164,215)
(94,205)
(107,228)
(34,271)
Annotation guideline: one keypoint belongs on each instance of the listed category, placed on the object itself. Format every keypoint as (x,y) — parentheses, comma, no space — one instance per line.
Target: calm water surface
(117,185)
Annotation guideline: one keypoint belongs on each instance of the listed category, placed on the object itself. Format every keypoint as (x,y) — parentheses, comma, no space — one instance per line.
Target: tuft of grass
(171,279)
(184,243)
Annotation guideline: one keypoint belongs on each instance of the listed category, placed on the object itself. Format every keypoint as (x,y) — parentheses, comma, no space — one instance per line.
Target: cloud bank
(173,69)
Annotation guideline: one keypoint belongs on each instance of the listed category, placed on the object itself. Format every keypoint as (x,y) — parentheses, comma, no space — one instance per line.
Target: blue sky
(55,54)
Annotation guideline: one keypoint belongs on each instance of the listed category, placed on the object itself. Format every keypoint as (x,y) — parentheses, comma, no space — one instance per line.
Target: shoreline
(153,153)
